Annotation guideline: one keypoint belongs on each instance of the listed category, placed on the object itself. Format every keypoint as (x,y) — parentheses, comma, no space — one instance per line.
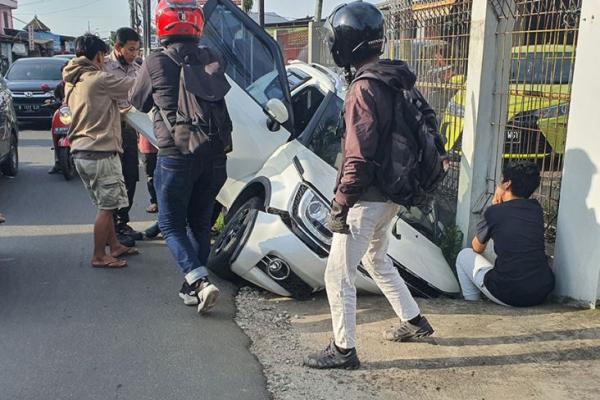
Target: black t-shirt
(521,275)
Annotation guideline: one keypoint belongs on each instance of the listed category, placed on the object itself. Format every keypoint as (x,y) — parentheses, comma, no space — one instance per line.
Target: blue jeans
(186,188)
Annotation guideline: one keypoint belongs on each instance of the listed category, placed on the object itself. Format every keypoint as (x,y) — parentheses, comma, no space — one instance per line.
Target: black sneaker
(129,231)
(332,358)
(125,240)
(407,331)
(152,232)
(188,294)
(202,293)
(54,170)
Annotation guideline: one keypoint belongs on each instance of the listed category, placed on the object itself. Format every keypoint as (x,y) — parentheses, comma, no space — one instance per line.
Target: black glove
(337,219)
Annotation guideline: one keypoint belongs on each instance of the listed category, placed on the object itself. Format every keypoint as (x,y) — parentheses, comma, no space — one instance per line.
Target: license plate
(29,107)
(513,136)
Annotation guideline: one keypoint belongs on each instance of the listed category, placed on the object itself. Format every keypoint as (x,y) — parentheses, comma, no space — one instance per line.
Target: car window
(296,78)
(326,141)
(542,68)
(305,104)
(250,61)
(35,71)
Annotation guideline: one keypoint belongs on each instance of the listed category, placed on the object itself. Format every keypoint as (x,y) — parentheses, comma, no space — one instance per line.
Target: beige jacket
(93,95)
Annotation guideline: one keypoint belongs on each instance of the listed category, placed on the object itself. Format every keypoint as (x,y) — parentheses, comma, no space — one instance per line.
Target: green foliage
(247,5)
(451,244)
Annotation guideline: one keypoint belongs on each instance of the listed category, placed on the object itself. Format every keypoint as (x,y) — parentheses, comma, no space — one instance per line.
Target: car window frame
(306,136)
(266,40)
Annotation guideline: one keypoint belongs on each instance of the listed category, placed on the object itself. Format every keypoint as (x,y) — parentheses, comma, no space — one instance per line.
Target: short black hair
(524,176)
(90,45)
(125,35)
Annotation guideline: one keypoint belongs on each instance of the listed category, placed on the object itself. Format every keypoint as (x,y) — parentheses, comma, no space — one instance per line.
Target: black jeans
(131,171)
(186,187)
(149,161)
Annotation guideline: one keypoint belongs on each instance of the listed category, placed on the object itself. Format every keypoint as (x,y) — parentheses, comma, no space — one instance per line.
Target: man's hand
(337,219)
(497,196)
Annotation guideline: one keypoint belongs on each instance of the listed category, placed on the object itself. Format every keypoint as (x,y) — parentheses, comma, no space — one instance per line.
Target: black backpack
(201,119)
(412,166)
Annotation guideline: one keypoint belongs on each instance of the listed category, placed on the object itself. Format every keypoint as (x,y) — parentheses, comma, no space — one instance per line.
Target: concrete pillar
(577,257)
(485,110)
(314,42)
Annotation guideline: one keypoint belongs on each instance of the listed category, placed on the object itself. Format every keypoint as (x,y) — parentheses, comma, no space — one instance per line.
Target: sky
(71,17)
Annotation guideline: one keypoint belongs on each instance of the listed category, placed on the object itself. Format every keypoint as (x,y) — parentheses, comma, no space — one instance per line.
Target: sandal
(130,251)
(111,265)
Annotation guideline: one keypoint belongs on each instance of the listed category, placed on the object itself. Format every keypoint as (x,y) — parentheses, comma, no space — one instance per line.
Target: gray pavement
(68,331)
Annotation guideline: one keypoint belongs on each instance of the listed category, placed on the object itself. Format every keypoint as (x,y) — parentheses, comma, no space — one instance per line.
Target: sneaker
(129,231)
(54,170)
(207,295)
(407,331)
(188,294)
(152,209)
(152,232)
(332,358)
(125,240)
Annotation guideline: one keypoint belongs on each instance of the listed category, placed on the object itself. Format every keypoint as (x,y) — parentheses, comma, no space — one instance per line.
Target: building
(6,19)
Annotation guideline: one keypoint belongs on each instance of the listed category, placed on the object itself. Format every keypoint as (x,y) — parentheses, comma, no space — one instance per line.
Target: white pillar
(485,110)
(577,262)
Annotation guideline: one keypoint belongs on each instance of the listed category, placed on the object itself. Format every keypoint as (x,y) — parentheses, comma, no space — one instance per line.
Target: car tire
(67,165)
(10,167)
(233,237)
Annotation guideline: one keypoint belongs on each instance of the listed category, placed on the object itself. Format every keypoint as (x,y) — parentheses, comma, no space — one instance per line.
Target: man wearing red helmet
(188,175)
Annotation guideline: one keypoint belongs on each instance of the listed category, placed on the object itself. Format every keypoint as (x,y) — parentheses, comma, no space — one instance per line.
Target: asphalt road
(68,331)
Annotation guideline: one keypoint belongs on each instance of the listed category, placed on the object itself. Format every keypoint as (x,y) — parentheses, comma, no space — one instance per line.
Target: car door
(256,71)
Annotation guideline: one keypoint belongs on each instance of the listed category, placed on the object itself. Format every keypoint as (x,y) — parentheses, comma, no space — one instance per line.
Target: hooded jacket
(92,96)
(157,86)
(369,118)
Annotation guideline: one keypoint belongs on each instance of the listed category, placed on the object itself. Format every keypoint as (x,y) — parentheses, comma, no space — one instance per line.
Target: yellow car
(538,104)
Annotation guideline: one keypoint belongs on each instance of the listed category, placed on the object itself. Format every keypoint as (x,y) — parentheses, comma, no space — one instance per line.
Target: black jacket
(369,118)
(157,84)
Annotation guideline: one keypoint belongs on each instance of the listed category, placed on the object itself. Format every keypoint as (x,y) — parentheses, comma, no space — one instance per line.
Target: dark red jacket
(368,116)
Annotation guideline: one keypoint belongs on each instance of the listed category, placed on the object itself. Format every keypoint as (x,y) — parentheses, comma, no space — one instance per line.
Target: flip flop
(111,265)
(131,251)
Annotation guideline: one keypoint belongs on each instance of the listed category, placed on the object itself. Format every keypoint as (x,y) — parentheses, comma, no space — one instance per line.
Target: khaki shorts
(104,181)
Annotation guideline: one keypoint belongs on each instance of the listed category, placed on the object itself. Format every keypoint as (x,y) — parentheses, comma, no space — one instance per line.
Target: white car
(282,172)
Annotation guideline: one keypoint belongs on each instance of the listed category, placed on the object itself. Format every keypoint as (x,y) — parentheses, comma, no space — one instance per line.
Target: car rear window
(35,71)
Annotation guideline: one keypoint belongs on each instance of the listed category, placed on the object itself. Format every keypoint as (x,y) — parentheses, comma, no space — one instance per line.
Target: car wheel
(10,167)
(233,237)
(67,165)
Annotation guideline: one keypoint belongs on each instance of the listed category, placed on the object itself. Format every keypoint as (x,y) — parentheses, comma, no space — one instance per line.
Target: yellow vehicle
(538,104)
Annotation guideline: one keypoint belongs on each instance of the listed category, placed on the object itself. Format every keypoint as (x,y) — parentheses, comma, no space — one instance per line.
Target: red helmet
(179,19)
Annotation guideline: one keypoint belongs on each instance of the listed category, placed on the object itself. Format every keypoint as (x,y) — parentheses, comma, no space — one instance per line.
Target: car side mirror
(277,111)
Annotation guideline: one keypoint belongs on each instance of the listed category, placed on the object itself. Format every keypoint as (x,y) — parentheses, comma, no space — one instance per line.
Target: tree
(247,5)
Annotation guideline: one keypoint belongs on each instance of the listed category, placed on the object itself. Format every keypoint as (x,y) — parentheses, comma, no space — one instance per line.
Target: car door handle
(395,230)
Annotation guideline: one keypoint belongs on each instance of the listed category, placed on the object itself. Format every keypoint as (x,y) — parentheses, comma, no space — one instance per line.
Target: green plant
(247,5)
(451,244)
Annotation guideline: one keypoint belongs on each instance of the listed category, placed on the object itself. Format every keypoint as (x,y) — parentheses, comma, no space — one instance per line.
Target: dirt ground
(479,351)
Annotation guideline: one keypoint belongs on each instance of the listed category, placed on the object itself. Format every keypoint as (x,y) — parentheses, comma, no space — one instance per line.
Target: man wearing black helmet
(361,214)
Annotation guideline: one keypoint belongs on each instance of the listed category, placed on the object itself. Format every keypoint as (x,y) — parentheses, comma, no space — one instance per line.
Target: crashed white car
(282,172)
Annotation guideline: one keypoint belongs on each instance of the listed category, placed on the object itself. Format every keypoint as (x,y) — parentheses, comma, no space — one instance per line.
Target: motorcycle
(60,132)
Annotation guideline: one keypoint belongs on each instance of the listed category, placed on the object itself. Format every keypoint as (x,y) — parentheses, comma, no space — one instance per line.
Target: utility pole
(147,25)
(261,12)
(318,10)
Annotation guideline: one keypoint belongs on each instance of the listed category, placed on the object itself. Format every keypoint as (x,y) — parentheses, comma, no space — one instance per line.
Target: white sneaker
(208,295)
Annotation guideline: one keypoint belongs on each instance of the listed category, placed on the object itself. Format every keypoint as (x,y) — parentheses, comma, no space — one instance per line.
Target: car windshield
(35,71)
(542,68)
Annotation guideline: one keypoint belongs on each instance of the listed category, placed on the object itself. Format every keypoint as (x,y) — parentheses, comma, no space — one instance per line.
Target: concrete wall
(577,264)
(3,22)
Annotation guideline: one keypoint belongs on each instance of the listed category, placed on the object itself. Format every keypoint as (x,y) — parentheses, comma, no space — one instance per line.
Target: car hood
(31,86)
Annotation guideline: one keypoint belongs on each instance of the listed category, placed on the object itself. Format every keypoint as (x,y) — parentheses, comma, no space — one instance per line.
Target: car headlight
(553,112)
(310,212)
(456,109)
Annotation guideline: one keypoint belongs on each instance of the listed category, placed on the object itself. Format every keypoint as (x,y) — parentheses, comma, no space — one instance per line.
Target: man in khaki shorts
(96,142)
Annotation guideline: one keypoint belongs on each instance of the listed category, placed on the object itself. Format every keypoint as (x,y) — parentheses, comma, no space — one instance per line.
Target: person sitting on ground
(92,96)
(521,276)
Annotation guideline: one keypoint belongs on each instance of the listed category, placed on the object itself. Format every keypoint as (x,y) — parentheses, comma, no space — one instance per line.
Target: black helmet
(355,32)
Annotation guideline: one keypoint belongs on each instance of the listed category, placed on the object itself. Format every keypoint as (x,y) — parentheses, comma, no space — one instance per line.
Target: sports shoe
(125,240)
(332,358)
(188,294)
(207,295)
(152,232)
(54,170)
(407,331)
(129,231)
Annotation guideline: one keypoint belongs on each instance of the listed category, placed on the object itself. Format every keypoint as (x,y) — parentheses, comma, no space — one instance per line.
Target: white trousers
(368,242)
(471,269)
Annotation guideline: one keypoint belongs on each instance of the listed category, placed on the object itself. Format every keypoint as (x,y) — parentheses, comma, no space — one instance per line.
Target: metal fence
(293,42)
(542,46)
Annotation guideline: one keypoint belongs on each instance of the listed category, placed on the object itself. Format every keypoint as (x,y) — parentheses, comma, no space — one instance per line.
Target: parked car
(9,133)
(538,104)
(282,172)
(65,56)
(32,82)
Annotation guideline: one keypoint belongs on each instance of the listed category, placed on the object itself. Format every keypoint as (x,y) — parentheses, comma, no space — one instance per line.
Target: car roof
(39,59)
